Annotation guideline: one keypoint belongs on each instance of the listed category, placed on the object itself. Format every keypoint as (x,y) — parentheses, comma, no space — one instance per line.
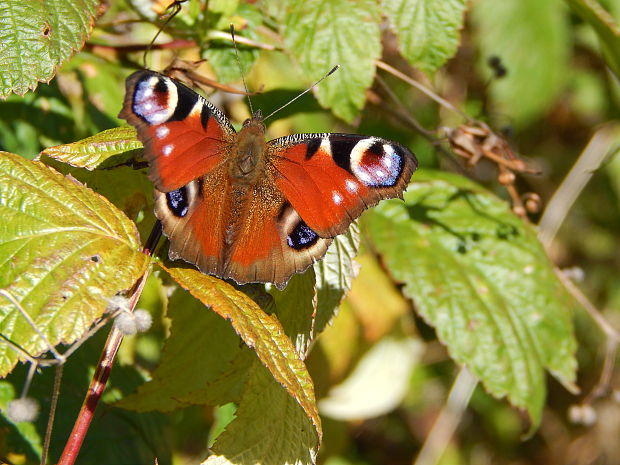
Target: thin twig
(241,40)
(52,415)
(437,440)
(612,335)
(425,90)
(173,44)
(31,371)
(597,150)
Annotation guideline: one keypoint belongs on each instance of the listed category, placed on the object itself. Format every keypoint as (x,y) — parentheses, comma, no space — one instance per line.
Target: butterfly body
(248,209)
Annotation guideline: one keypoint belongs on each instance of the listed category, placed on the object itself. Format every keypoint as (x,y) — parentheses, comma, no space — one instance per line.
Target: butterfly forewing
(240,208)
(184,136)
(330,179)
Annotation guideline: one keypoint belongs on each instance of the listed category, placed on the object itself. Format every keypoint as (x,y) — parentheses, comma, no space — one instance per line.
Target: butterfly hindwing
(330,179)
(184,135)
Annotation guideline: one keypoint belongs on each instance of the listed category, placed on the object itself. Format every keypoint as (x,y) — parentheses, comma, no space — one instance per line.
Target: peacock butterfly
(240,207)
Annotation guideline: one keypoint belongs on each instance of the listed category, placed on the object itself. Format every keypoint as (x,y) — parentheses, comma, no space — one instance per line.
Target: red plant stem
(104,367)
(173,44)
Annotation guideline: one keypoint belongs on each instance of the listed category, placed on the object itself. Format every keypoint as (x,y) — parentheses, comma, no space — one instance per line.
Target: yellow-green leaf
(64,250)
(261,332)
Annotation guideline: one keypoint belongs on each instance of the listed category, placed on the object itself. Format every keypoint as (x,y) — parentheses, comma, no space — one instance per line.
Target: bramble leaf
(428,31)
(261,332)
(479,275)
(320,38)
(36,37)
(91,152)
(64,250)
(270,428)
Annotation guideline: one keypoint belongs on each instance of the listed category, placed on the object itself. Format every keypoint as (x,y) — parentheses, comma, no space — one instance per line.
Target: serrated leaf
(428,31)
(261,332)
(36,37)
(270,428)
(64,250)
(526,35)
(91,152)
(605,26)
(322,35)
(201,350)
(296,307)
(479,275)
(335,274)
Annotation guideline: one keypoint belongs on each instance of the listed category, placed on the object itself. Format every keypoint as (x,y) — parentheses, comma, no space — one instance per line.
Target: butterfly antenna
(232,34)
(333,70)
(175,7)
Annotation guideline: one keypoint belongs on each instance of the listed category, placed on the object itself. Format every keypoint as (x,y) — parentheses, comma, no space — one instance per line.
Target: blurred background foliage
(541,73)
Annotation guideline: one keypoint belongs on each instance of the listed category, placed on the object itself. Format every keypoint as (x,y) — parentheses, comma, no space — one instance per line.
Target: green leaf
(479,275)
(93,151)
(428,30)
(64,250)
(334,275)
(261,332)
(345,32)
(36,37)
(202,350)
(605,26)
(296,307)
(270,428)
(527,35)
(221,54)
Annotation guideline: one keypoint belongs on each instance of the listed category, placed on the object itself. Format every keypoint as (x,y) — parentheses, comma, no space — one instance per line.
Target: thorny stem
(104,367)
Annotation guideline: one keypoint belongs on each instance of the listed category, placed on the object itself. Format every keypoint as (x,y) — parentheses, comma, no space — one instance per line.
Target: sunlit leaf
(201,350)
(91,152)
(261,332)
(270,428)
(64,250)
(334,275)
(320,38)
(479,275)
(428,30)
(36,37)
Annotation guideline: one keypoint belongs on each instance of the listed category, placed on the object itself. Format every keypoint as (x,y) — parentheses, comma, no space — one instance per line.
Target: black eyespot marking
(160,87)
(187,98)
(95,258)
(313,146)
(205,114)
(302,237)
(178,202)
(376,148)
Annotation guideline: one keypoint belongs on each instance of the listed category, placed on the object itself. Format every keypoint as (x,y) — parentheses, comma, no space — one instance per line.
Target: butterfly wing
(184,135)
(330,179)
(186,142)
(271,241)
